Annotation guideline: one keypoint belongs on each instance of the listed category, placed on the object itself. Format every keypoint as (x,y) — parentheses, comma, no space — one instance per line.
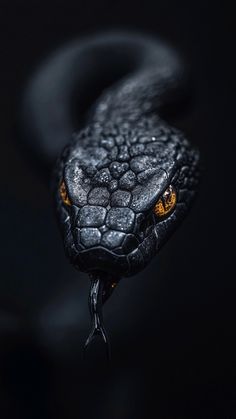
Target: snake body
(119,157)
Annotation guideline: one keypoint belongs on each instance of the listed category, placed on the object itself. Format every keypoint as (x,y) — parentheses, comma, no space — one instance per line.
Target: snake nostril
(130,243)
(144,225)
(73,215)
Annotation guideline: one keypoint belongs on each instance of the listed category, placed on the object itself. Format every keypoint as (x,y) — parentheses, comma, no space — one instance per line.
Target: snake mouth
(101,259)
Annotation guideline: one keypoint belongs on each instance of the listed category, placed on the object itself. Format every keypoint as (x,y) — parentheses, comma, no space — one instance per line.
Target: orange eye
(166,203)
(64,195)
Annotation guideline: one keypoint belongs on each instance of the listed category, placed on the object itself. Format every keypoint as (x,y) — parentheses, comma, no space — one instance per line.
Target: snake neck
(134,72)
(134,99)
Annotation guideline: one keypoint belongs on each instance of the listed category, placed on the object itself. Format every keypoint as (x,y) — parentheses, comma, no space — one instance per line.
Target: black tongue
(102,286)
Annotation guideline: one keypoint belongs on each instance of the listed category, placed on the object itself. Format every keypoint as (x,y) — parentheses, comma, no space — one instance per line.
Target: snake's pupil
(166,203)
(64,195)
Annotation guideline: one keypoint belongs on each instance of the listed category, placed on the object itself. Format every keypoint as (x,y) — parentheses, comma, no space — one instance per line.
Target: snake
(122,177)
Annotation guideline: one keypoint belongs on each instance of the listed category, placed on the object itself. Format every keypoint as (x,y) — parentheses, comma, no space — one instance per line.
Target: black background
(172,327)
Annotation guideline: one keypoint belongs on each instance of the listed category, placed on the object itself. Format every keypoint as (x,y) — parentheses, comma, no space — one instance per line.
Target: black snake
(125,178)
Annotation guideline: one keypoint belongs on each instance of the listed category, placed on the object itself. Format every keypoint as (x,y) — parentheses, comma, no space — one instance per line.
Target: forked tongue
(102,286)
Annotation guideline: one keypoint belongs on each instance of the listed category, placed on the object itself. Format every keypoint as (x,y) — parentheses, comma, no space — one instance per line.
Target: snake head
(119,198)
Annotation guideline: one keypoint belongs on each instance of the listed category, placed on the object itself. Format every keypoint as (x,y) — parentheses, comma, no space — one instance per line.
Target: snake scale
(124,179)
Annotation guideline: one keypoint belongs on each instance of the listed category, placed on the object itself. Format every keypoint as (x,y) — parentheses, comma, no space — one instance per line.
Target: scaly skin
(114,174)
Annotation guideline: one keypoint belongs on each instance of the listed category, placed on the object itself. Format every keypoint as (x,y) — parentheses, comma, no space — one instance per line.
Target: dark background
(172,327)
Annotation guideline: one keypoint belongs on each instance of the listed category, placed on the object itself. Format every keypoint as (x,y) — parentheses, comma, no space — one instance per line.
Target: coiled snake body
(125,178)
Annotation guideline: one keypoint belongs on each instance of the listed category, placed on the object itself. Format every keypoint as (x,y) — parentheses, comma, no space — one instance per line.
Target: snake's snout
(104,238)
(104,249)
(101,259)
(112,239)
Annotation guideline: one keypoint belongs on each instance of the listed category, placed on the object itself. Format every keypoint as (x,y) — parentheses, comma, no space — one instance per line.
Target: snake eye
(64,195)
(166,203)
